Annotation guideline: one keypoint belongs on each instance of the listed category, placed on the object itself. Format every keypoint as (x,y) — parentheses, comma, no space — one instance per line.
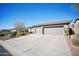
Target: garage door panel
(54,31)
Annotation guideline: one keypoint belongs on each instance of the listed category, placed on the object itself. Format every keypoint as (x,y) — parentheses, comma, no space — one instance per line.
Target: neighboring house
(31,29)
(76,26)
(8,30)
(51,28)
(12,30)
(5,30)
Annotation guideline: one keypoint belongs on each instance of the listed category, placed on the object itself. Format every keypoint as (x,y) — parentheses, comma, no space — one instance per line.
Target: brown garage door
(54,31)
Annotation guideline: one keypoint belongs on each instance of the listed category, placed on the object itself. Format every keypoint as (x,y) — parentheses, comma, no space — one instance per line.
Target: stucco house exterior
(51,28)
(31,29)
(76,26)
(76,29)
(13,30)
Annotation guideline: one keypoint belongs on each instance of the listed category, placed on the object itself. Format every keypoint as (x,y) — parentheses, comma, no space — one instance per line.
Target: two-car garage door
(50,30)
(54,31)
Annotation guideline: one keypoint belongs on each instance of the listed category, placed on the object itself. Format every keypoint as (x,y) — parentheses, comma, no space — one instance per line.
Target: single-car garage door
(54,30)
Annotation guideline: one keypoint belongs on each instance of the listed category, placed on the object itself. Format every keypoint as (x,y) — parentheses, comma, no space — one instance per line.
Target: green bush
(66,31)
(2,34)
(13,34)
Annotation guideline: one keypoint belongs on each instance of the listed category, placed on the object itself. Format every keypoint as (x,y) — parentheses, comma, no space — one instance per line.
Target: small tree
(21,28)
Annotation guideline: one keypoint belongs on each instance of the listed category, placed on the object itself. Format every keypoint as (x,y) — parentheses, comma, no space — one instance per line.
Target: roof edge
(53,23)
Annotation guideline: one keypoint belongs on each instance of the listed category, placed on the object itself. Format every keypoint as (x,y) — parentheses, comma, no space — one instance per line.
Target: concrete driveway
(37,45)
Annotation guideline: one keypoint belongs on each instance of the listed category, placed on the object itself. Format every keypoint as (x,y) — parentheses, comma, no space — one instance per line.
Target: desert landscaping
(39,29)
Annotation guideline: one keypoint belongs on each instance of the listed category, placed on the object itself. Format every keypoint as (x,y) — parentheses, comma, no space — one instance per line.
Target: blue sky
(31,14)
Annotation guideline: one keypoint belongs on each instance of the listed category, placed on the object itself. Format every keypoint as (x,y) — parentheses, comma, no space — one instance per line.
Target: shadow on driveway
(4,52)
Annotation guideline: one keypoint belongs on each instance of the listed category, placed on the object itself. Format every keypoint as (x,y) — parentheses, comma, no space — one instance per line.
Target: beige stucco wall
(38,30)
(31,29)
(76,27)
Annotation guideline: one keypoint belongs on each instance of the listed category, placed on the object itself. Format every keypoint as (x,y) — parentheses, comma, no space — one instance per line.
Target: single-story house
(4,30)
(8,30)
(51,28)
(31,29)
(12,30)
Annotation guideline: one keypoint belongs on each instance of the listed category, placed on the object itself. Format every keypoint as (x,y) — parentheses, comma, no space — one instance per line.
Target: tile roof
(54,23)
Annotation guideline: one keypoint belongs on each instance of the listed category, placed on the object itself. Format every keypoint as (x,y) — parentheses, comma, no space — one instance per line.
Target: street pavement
(4,52)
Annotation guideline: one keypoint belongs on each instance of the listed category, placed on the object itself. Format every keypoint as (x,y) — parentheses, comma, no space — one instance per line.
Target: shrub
(71,32)
(13,34)
(66,31)
(2,34)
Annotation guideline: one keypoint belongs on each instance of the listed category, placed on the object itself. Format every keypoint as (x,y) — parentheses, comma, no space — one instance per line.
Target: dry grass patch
(76,40)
